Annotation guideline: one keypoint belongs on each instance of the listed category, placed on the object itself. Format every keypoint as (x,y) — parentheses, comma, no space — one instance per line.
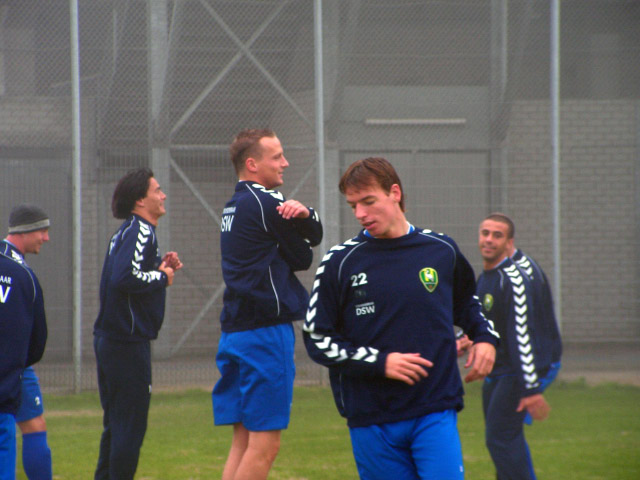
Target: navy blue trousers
(504,429)
(124,382)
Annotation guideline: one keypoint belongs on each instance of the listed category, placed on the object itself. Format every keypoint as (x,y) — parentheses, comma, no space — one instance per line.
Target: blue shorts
(417,449)
(256,378)
(31,397)
(7,446)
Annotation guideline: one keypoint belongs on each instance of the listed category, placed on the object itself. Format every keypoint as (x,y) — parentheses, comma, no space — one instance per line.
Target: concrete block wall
(599,235)
(600,241)
(35,121)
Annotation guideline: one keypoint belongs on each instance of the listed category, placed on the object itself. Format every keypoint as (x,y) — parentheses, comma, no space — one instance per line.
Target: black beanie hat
(26,218)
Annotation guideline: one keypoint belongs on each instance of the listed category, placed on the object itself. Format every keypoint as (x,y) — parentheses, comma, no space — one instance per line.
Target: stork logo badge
(487,302)
(429,278)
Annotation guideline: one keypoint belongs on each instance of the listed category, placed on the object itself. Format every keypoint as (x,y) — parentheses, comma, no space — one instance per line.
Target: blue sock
(36,456)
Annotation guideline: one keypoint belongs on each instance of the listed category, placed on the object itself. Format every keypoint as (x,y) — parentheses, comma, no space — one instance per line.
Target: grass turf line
(593,433)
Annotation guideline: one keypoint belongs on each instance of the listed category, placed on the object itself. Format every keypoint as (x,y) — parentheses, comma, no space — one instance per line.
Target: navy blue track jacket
(373,297)
(509,300)
(543,305)
(260,253)
(23,325)
(132,289)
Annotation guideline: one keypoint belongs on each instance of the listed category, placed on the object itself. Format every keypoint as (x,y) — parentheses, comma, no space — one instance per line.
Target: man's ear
(396,192)
(250,165)
(139,203)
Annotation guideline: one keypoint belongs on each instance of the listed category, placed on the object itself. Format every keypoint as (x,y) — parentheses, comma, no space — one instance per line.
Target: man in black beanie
(28,230)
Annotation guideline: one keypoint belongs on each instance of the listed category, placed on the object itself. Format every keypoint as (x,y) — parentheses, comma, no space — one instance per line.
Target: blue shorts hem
(257,371)
(31,405)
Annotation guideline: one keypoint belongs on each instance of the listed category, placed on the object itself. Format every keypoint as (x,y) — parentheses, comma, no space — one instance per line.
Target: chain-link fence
(457,94)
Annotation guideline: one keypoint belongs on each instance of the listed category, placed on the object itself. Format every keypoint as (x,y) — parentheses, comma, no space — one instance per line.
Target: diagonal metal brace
(255,61)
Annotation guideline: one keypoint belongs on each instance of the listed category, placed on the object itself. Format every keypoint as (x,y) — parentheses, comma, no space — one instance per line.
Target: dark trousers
(124,381)
(504,430)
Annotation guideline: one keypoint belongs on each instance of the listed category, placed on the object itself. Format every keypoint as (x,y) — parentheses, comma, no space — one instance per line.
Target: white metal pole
(555,152)
(76,197)
(319,96)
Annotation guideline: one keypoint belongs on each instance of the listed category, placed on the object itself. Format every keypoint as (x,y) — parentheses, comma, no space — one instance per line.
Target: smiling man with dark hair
(515,295)
(132,300)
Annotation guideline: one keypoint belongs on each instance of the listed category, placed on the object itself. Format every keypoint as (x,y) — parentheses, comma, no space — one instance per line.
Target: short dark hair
(502,218)
(371,171)
(246,144)
(130,188)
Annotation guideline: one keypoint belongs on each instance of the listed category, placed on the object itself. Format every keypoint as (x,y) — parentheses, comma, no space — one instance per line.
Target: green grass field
(592,433)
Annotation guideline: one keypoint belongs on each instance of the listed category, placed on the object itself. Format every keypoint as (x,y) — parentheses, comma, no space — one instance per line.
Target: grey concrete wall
(599,235)
(599,212)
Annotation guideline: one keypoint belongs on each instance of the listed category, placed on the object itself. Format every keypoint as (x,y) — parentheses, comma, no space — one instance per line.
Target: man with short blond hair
(264,239)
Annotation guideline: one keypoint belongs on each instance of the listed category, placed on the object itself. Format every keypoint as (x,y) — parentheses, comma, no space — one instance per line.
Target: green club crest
(487,302)
(429,278)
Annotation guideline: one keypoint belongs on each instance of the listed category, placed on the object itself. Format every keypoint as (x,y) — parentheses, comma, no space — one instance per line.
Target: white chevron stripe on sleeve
(529,367)
(327,256)
(365,354)
(527,364)
(526,360)
(516,280)
(525,349)
(313,299)
(360,354)
(333,351)
(311,314)
(520,299)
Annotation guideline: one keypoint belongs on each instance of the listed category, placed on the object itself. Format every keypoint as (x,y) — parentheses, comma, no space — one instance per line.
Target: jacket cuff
(487,338)
(381,364)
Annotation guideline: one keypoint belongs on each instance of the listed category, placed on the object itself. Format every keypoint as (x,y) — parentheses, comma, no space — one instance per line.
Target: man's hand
(462,345)
(481,357)
(169,272)
(406,367)
(292,209)
(171,260)
(536,405)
